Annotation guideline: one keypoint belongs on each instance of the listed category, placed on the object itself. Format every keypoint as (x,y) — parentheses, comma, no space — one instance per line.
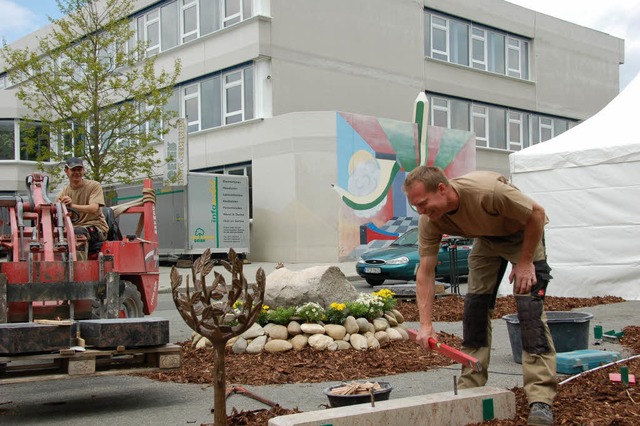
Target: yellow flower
(265,308)
(338,306)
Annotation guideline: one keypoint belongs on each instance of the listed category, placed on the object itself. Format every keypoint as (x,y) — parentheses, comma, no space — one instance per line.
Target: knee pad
(475,320)
(532,328)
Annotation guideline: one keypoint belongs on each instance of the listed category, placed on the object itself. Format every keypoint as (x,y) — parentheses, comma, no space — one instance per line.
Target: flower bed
(369,322)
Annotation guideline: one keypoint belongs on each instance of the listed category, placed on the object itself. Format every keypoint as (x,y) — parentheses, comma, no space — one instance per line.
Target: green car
(400,260)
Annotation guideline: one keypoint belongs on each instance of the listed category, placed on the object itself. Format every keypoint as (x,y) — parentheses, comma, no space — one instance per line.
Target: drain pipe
(597,368)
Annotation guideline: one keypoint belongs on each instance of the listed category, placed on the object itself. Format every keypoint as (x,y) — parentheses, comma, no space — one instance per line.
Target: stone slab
(127,332)
(29,337)
(445,408)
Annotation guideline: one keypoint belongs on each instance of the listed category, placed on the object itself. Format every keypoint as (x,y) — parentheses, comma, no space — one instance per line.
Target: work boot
(540,414)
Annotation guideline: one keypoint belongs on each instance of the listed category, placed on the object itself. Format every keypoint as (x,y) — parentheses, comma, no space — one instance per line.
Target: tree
(94,89)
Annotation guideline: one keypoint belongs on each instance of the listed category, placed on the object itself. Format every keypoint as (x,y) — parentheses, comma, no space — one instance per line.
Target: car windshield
(409,238)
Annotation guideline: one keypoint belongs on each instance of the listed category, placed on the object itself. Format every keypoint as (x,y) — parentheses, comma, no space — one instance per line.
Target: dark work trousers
(487,265)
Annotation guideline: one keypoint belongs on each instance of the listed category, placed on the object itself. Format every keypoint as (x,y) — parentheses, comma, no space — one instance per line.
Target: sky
(620,18)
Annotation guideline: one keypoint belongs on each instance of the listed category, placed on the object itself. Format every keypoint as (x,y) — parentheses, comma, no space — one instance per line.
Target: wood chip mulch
(591,399)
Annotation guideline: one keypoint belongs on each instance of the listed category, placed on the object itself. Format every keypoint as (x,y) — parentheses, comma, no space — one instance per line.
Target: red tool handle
(450,352)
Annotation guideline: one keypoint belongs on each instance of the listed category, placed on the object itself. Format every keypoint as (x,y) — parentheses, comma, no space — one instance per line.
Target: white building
(262,81)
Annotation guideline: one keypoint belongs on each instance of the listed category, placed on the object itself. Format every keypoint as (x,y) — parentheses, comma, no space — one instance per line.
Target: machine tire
(131,305)
(131,301)
(374,281)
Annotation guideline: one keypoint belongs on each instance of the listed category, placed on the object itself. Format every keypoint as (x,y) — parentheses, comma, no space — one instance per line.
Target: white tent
(588,181)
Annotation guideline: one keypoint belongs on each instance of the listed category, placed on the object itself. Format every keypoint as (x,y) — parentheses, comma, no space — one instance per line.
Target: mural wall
(374,156)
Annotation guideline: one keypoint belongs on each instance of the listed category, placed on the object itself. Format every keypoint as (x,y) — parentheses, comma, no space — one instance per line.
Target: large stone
(372,343)
(278,332)
(254,331)
(321,284)
(402,332)
(299,342)
(278,345)
(294,328)
(320,342)
(239,346)
(391,318)
(343,345)
(351,325)
(204,343)
(382,337)
(31,337)
(380,324)
(311,328)
(336,332)
(359,342)
(398,315)
(257,345)
(127,332)
(363,325)
(394,334)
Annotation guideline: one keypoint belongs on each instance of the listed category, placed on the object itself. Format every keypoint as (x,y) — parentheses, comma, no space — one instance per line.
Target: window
(515,130)
(440,112)
(189,15)
(439,38)
(462,42)
(170,33)
(34,142)
(233,97)
(7,140)
(514,54)
(222,98)
(479,48)
(546,129)
(480,125)
(191,108)
(152,32)
(495,127)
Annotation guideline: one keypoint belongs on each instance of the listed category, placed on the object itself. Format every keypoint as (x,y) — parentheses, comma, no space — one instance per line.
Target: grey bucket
(569,331)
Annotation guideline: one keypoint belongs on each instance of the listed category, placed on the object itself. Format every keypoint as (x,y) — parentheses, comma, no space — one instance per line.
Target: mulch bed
(591,399)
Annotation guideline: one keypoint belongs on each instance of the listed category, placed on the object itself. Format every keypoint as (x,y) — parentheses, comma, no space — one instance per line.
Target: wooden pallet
(68,363)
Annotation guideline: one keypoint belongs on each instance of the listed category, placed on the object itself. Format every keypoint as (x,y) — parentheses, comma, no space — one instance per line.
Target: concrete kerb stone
(468,406)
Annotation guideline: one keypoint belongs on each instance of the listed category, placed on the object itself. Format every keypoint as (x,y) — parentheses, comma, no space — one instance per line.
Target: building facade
(262,81)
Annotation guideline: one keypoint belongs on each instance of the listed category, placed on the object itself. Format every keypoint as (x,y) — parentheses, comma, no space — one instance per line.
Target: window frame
(187,36)
(484,116)
(483,65)
(519,121)
(445,29)
(437,108)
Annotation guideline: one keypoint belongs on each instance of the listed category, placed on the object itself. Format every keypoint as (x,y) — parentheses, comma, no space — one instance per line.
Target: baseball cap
(73,162)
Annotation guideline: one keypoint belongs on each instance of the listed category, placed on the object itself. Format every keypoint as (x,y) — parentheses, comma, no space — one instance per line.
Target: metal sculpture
(219,311)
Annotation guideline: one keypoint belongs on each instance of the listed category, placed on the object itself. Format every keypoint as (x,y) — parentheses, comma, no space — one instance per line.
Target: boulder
(359,342)
(278,345)
(320,342)
(278,332)
(257,345)
(239,346)
(311,328)
(351,325)
(299,342)
(321,284)
(337,332)
(294,328)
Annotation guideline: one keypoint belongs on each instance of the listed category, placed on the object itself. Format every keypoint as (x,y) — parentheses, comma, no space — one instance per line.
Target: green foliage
(310,312)
(281,315)
(357,309)
(388,301)
(336,313)
(95,91)
(369,306)
(263,316)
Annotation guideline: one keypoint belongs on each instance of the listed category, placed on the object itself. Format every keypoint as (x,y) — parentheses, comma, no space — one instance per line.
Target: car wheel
(375,281)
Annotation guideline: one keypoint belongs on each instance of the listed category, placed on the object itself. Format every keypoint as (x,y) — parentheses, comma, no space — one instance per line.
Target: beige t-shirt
(90,192)
(489,206)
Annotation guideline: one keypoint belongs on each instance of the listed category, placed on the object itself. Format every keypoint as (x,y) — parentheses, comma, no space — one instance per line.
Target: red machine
(43,278)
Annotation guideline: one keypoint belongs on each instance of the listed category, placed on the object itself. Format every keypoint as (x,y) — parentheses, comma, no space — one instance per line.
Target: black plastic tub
(343,400)
(569,331)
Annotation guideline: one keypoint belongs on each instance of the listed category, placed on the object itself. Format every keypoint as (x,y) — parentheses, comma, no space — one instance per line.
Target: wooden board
(51,366)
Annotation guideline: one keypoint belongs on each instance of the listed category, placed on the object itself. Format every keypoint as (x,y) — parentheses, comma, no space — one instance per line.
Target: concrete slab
(445,408)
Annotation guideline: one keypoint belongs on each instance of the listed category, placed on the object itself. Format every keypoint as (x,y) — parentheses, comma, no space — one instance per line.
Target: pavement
(504,373)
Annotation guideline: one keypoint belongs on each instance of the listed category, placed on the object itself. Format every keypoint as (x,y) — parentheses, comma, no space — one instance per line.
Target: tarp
(588,181)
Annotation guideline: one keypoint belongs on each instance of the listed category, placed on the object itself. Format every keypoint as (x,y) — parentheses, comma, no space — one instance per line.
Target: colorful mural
(374,156)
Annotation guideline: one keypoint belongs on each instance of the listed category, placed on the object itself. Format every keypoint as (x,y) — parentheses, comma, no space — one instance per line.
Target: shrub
(263,316)
(387,298)
(336,313)
(281,315)
(367,306)
(310,312)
